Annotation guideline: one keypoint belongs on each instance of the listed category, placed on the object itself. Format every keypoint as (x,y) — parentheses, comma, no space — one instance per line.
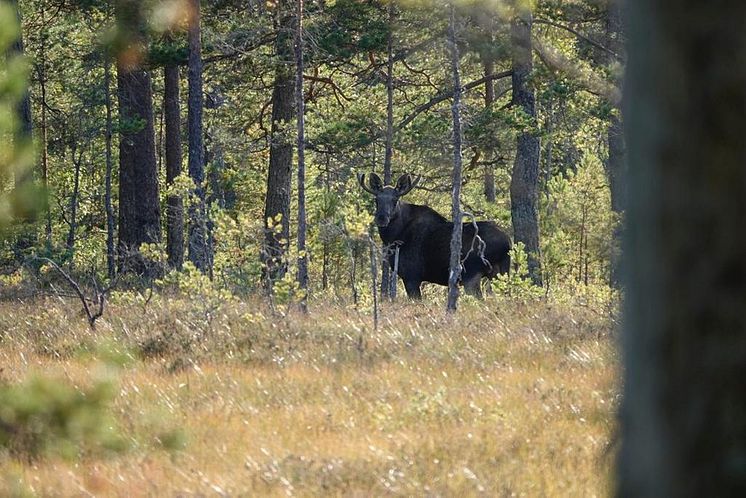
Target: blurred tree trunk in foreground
(684,409)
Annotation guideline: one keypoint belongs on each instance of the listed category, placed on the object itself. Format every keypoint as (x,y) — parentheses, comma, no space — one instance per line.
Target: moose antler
(361,181)
(413,181)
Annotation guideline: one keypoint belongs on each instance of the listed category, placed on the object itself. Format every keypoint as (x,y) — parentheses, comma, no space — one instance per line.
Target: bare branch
(579,35)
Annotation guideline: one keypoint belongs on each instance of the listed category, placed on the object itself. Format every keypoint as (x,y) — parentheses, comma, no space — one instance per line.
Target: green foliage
(346,113)
(46,417)
(578,225)
(16,156)
(517,283)
(351,27)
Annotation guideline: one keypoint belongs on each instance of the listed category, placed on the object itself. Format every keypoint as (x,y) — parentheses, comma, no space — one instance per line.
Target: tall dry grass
(507,398)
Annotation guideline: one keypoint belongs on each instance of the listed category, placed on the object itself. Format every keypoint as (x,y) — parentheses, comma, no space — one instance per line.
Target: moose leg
(413,289)
(473,285)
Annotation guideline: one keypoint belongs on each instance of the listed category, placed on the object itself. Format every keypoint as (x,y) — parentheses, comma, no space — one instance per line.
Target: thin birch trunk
(454,274)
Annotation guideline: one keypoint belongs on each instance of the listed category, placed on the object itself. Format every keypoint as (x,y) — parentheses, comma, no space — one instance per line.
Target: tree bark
(139,207)
(70,245)
(42,73)
(488,65)
(110,252)
(174,203)
(683,415)
(525,177)
(279,175)
(454,273)
(386,276)
(301,145)
(199,253)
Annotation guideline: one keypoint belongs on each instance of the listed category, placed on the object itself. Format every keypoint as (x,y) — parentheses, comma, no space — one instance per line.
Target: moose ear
(375,182)
(405,183)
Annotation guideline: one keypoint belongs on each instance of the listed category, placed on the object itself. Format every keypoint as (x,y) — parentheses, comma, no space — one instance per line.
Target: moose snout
(382,220)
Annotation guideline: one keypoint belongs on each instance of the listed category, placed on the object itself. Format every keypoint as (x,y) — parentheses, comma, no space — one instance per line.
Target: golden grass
(505,399)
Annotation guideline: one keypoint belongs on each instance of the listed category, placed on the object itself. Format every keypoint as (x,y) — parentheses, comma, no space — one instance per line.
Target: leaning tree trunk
(525,178)
(300,108)
(139,206)
(199,253)
(683,415)
(279,175)
(454,268)
(616,163)
(174,203)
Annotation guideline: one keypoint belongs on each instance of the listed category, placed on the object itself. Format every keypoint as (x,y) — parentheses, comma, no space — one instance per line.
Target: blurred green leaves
(43,416)
(21,200)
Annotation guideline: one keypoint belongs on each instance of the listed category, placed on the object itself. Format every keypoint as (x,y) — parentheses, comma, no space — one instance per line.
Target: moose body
(424,237)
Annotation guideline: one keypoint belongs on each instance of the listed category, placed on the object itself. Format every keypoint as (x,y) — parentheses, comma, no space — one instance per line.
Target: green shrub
(47,417)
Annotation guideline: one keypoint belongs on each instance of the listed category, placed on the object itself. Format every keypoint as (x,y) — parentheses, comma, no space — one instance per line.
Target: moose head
(387,196)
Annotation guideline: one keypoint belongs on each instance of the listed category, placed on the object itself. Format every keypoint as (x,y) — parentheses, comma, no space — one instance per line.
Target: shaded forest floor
(507,398)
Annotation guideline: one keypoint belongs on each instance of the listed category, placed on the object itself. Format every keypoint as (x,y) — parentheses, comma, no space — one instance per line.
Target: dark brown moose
(424,237)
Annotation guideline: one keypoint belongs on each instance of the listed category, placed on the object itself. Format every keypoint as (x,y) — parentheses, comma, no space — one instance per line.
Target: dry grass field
(508,398)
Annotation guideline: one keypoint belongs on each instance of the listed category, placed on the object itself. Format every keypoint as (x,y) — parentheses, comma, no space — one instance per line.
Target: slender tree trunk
(279,175)
(488,64)
(174,203)
(454,274)
(42,73)
(386,276)
(300,107)
(199,253)
(683,415)
(616,163)
(74,201)
(108,204)
(139,206)
(525,177)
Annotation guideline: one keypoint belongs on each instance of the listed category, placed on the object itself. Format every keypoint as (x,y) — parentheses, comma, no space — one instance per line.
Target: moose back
(424,237)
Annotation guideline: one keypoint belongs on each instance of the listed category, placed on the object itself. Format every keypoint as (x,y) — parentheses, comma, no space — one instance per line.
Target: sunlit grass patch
(507,397)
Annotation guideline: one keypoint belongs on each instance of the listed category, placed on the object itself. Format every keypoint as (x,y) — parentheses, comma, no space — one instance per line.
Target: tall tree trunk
(279,175)
(616,163)
(110,252)
(42,73)
(683,415)
(525,177)
(488,64)
(139,207)
(70,245)
(454,273)
(386,277)
(300,109)
(174,203)
(199,253)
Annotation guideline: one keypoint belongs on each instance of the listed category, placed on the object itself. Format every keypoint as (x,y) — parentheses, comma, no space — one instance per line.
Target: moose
(424,237)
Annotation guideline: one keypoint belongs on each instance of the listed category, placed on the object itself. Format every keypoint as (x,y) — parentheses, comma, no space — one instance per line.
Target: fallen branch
(99,295)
